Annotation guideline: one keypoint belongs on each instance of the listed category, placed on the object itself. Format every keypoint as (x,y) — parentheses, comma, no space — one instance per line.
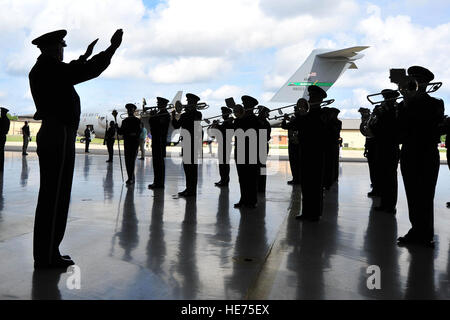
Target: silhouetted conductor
(4,128)
(58,106)
(190,122)
(130,130)
(246,153)
(159,126)
(419,118)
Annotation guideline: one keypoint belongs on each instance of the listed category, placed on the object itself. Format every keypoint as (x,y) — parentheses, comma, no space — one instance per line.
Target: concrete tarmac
(134,243)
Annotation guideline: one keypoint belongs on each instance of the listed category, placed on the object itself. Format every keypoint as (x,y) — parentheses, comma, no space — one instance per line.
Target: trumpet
(305,107)
(178,106)
(410,85)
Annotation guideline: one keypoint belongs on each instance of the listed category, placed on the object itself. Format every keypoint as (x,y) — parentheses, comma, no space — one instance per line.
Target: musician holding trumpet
(189,121)
(311,125)
(419,116)
(293,143)
(383,125)
(224,146)
(159,126)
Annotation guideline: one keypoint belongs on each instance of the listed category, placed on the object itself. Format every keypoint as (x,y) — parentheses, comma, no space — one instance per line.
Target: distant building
(351,136)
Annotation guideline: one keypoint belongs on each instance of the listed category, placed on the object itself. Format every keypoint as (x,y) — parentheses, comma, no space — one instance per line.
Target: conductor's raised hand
(89,49)
(116,39)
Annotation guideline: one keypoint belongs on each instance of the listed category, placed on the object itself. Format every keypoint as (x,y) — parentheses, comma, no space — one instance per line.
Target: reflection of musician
(419,118)
(264,124)
(190,122)
(159,126)
(293,144)
(130,130)
(383,125)
(224,147)
(246,160)
(311,127)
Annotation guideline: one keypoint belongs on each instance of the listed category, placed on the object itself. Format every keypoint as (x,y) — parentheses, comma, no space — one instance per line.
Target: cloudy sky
(218,48)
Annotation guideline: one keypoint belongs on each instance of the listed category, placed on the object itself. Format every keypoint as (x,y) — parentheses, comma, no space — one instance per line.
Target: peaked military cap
(226,110)
(420,73)
(249,102)
(162,100)
(130,106)
(50,38)
(4,109)
(317,91)
(389,93)
(192,97)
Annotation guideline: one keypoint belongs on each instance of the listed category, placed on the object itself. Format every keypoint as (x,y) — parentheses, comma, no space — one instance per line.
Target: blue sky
(218,49)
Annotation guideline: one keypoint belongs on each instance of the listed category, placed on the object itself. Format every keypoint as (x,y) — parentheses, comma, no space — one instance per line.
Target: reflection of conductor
(52,87)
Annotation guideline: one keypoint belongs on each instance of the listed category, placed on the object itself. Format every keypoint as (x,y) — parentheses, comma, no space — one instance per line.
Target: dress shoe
(238,205)
(290,182)
(221,184)
(448,204)
(109,161)
(155,186)
(141,158)
(58,263)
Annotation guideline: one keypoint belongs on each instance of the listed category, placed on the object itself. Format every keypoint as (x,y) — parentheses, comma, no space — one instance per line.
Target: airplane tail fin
(322,68)
(177,97)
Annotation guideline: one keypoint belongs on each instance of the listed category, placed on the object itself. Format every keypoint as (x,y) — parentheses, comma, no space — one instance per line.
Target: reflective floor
(133,243)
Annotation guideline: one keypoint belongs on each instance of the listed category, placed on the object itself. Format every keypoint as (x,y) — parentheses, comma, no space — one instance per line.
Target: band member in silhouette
(383,125)
(293,145)
(26,138)
(419,118)
(370,151)
(130,130)
(246,153)
(4,128)
(58,106)
(110,138)
(159,126)
(224,147)
(447,144)
(190,122)
(142,137)
(311,126)
(87,138)
(331,146)
(264,134)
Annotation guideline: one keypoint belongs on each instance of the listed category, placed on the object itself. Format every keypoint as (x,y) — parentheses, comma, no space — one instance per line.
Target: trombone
(306,108)
(409,86)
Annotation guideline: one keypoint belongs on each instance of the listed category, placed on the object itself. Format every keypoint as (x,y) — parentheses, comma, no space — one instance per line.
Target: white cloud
(188,70)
